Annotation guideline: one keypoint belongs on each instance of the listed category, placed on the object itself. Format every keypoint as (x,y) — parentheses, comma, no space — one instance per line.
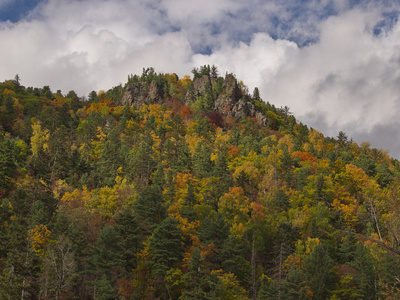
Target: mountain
(188,188)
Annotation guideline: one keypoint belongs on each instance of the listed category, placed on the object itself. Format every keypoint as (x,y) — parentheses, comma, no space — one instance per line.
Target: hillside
(188,188)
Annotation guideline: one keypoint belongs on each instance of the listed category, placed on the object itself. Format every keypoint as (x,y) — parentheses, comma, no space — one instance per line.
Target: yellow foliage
(181,185)
(248,168)
(220,137)
(235,208)
(8,92)
(104,106)
(171,78)
(230,286)
(189,229)
(101,94)
(307,247)
(323,164)
(317,140)
(268,184)
(192,140)
(203,186)
(61,188)
(39,238)
(185,81)
(287,140)
(40,138)
(97,144)
(104,201)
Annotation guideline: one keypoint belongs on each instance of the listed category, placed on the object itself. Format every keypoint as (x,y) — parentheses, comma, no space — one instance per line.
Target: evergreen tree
(165,246)
(131,238)
(158,176)
(9,104)
(141,163)
(149,208)
(318,272)
(214,230)
(202,163)
(365,277)
(197,285)
(187,211)
(294,287)
(7,163)
(233,260)
(106,255)
(281,201)
(104,289)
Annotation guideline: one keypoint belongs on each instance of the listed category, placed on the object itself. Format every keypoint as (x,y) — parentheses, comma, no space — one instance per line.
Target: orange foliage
(175,105)
(304,156)
(125,288)
(258,213)
(59,101)
(233,151)
(186,112)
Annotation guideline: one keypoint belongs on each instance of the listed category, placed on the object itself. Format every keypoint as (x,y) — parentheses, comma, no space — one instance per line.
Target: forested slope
(168,188)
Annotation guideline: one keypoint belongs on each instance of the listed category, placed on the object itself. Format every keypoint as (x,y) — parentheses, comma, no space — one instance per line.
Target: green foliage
(149,207)
(7,162)
(319,273)
(106,255)
(202,163)
(165,246)
(177,202)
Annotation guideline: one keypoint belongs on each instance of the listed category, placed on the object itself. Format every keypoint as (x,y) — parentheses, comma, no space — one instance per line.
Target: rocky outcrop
(140,93)
(228,100)
(198,88)
(232,103)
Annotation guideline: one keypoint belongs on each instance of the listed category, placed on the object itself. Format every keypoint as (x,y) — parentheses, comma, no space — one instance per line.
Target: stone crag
(228,101)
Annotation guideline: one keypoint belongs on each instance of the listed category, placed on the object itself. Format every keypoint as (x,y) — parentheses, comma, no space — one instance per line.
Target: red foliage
(175,105)
(215,118)
(253,119)
(276,133)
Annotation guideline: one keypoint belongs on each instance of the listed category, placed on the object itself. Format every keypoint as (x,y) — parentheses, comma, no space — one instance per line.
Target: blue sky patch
(16,9)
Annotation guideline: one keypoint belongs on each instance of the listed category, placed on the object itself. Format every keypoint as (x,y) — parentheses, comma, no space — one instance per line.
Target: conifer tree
(149,208)
(165,246)
(319,273)
(106,255)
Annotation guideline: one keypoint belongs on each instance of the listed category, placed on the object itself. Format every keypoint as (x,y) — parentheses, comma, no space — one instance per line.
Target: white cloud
(347,79)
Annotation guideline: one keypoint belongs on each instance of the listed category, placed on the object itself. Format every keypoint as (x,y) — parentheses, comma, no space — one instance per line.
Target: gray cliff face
(199,88)
(228,102)
(233,103)
(140,93)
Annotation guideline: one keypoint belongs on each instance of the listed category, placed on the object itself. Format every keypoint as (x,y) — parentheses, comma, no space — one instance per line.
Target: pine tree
(319,273)
(281,201)
(141,163)
(149,208)
(202,163)
(107,254)
(197,286)
(165,246)
(104,289)
(131,237)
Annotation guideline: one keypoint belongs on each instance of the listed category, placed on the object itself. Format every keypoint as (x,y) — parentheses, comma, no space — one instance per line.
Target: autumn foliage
(173,200)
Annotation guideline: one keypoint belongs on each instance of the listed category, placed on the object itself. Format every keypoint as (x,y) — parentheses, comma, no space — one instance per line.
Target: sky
(334,63)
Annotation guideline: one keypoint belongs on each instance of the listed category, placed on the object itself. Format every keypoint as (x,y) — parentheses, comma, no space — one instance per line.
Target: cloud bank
(335,63)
